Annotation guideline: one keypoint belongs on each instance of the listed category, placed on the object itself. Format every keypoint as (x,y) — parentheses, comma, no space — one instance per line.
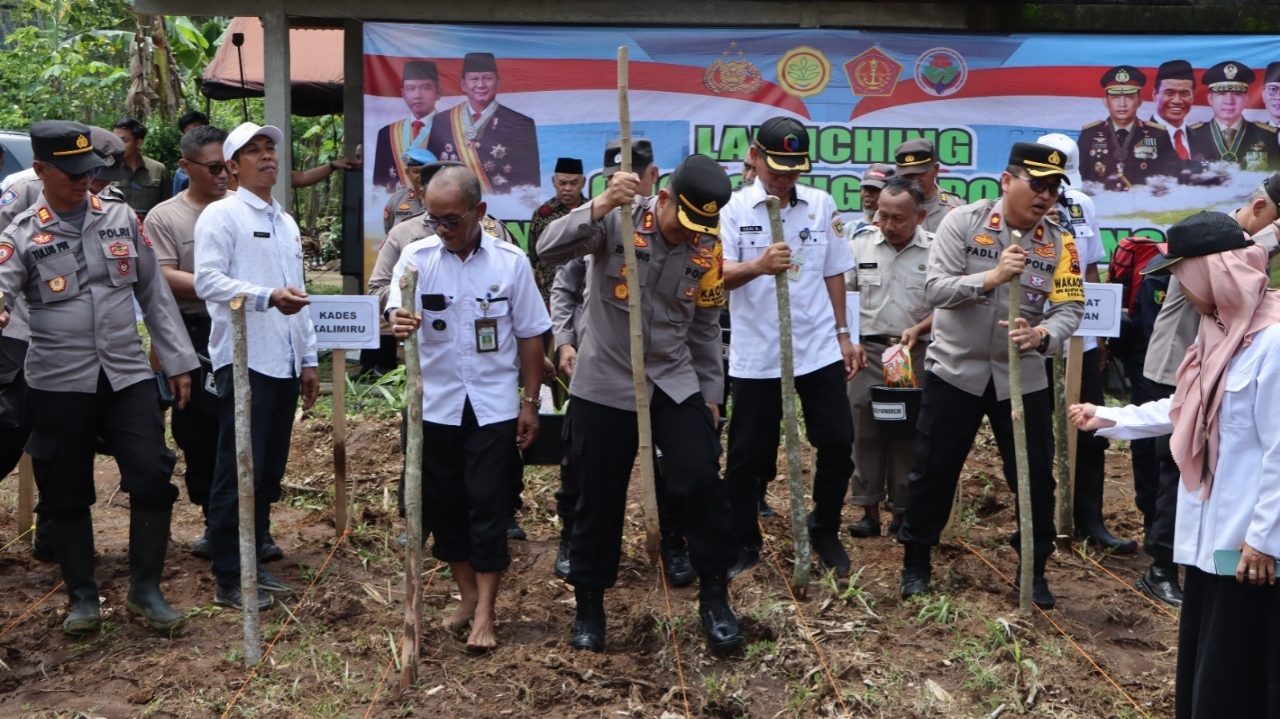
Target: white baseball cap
(245,132)
(1068,147)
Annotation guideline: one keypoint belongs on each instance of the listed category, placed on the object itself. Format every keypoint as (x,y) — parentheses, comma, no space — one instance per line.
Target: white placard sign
(853,313)
(1102,304)
(346,322)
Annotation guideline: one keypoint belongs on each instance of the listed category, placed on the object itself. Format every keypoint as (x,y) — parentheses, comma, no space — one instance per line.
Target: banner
(534,94)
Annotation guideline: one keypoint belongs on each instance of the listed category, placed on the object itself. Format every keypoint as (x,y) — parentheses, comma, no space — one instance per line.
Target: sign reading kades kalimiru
(345,322)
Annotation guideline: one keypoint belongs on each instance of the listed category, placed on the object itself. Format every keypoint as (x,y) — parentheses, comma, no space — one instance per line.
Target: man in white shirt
(480,315)
(1175,94)
(814,260)
(246,244)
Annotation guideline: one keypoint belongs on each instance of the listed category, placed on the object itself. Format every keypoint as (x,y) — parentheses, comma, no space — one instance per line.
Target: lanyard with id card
(487,327)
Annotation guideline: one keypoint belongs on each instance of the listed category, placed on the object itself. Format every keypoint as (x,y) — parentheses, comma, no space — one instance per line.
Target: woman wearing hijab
(1225,422)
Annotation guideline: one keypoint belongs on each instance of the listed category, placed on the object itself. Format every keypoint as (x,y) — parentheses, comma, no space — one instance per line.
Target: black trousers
(670,516)
(383,358)
(195,427)
(604,442)
(65,427)
(466,490)
(753,443)
(948,424)
(1086,508)
(1228,649)
(273,403)
(15,427)
(1155,479)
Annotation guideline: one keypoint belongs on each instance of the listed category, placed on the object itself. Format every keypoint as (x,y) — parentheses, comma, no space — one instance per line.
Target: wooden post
(790,424)
(412,492)
(1075,360)
(244,477)
(26,494)
(341,506)
(648,493)
(1062,465)
(1018,415)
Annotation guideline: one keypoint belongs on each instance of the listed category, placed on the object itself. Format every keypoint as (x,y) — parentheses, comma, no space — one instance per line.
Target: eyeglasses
(214,168)
(78,176)
(447,223)
(1039,185)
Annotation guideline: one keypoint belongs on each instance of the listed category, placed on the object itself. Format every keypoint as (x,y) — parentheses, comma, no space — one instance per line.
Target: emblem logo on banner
(732,75)
(804,71)
(872,72)
(941,71)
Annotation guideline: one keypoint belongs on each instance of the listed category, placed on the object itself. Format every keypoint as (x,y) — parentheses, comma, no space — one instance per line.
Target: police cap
(417,157)
(1039,160)
(66,146)
(641,156)
(700,189)
(1123,80)
(914,156)
(1228,76)
(785,143)
(876,175)
(111,147)
(1204,233)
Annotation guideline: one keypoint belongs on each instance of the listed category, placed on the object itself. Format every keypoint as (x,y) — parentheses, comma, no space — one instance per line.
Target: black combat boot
(73,543)
(562,551)
(43,547)
(915,569)
(203,547)
(718,620)
(588,627)
(1040,594)
(148,542)
(675,562)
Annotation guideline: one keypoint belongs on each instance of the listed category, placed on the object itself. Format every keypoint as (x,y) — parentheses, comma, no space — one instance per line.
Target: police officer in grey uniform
(890,262)
(407,201)
(918,160)
(682,290)
(975,253)
(81,261)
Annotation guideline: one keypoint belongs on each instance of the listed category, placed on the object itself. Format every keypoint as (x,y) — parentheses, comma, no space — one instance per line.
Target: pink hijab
(1235,282)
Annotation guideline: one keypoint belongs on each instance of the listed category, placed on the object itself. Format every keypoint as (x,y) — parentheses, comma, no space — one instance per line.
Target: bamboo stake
(26,493)
(341,506)
(1062,465)
(644,429)
(790,425)
(412,493)
(244,483)
(1075,360)
(1018,415)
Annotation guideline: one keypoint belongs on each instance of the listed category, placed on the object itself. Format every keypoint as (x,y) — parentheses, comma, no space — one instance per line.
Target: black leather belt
(880,339)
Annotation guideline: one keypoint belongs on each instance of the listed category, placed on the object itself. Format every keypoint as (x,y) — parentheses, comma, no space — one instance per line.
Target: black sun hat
(1204,233)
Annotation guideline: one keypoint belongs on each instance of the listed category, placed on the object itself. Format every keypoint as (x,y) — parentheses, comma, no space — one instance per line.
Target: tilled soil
(839,650)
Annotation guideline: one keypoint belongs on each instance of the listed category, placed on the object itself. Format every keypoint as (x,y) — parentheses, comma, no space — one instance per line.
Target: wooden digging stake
(26,494)
(1018,415)
(791,426)
(1062,464)
(244,483)
(341,506)
(649,495)
(1066,501)
(412,492)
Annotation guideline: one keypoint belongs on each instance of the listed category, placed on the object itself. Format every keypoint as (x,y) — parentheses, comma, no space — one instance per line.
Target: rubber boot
(203,547)
(915,569)
(588,627)
(43,548)
(1040,594)
(73,543)
(718,619)
(148,542)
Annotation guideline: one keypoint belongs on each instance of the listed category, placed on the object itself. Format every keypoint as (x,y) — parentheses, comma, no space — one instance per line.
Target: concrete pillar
(278,87)
(353,260)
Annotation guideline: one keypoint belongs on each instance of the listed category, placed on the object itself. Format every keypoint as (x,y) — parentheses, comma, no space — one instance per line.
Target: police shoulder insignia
(1093,124)
(994,221)
(1266,127)
(1196,126)
(639,240)
(118,249)
(647,224)
(984,239)
(1153,125)
(44,215)
(837,223)
(42,238)
(6,251)
(489,224)
(1038,235)
(8,197)
(620,290)
(142,230)
(95,203)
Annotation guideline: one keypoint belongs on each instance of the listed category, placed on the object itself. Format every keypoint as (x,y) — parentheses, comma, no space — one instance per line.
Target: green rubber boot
(73,544)
(148,542)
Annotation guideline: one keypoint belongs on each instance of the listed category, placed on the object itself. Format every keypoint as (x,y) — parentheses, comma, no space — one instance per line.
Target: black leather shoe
(718,620)
(864,528)
(747,558)
(1040,594)
(1106,541)
(202,547)
(915,570)
(514,532)
(231,597)
(268,551)
(895,525)
(765,509)
(831,554)
(677,567)
(562,558)
(270,582)
(588,627)
(1161,583)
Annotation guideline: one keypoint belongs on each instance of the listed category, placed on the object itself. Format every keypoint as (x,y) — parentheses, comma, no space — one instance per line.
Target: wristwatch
(1044,342)
(530,400)
(842,331)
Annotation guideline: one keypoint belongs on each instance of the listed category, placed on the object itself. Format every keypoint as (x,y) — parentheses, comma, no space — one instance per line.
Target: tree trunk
(1018,415)
(1062,467)
(244,482)
(412,492)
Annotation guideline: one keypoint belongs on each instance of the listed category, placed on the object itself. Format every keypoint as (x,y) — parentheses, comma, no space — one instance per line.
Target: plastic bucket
(896,410)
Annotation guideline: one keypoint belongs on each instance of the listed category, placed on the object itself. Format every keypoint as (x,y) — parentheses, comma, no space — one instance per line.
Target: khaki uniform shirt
(402,205)
(969,348)
(171,226)
(567,302)
(19,196)
(80,286)
(937,208)
(682,292)
(891,282)
(146,186)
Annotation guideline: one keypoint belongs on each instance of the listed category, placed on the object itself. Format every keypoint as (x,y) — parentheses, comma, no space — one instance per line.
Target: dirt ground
(852,650)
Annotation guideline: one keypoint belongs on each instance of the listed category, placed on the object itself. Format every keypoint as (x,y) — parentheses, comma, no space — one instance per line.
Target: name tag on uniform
(486,335)
(261,234)
(752,228)
(868,265)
